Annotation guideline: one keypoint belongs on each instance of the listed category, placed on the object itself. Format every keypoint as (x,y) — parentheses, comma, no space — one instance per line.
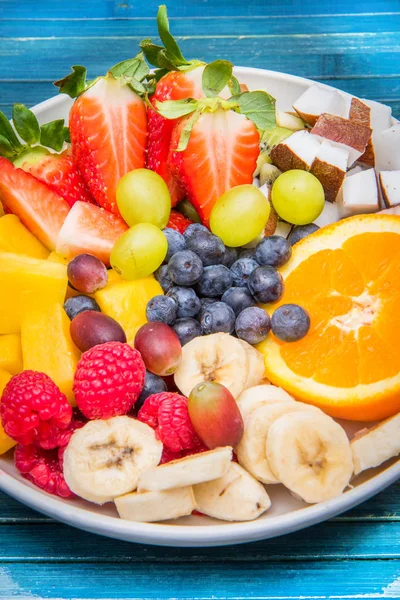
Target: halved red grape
(87,274)
(91,328)
(160,348)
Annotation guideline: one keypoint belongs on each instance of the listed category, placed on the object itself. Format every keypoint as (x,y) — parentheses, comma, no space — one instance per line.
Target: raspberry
(168,455)
(33,410)
(168,415)
(108,380)
(43,468)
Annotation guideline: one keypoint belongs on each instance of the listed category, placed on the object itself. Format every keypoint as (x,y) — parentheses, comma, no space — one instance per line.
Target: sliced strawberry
(61,174)
(221,154)
(108,128)
(39,208)
(89,229)
(175,85)
(178,221)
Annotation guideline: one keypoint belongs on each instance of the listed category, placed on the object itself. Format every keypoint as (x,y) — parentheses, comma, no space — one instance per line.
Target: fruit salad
(196,287)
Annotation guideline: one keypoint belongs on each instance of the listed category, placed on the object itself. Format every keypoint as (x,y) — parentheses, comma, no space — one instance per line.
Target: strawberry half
(39,208)
(178,221)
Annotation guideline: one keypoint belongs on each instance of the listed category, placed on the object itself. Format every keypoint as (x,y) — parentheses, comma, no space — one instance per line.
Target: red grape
(90,328)
(160,348)
(87,274)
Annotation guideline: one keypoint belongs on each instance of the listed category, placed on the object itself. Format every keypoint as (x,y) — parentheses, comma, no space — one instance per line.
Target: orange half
(347,276)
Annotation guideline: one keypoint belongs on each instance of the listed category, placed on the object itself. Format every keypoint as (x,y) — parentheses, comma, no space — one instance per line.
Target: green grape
(240,215)
(298,197)
(139,251)
(143,197)
(188,210)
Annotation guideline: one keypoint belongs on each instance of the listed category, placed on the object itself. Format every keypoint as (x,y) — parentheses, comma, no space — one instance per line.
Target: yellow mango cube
(126,302)
(5,442)
(47,346)
(15,237)
(25,284)
(11,353)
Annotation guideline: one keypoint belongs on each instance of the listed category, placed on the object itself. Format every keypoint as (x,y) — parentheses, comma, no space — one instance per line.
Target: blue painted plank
(259,579)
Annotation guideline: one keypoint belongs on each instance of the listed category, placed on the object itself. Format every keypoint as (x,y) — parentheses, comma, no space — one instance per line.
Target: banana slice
(251,451)
(104,459)
(156,506)
(187,471)
(260,395)
(310,454)
(234,497)
(255,365)
(372,447)
(216,357)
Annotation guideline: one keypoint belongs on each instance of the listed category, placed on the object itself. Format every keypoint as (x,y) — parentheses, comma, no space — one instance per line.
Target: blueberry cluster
(211,288)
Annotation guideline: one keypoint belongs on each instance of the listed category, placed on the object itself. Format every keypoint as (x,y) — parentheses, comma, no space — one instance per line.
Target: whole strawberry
(108,380)
(34,411)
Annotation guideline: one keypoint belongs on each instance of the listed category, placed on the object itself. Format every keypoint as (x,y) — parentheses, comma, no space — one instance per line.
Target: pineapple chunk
(27,283)
(126,302)
(5,442)
(47,346)
(11,353)
(15,237)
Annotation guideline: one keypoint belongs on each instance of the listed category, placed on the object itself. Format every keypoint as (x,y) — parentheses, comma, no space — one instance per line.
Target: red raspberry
(43,468)
(33,410)
(178,221)
(108,380)
(168,415)
(168,455)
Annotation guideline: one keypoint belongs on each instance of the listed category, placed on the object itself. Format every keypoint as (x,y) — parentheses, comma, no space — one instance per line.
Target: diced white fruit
(289,121)
(148,507)
(330,214)
(283,228)
(390,187)
(372,447)
(296,152)
(359,194)
(318,99)
(343,133)
(387,149)
(329,167)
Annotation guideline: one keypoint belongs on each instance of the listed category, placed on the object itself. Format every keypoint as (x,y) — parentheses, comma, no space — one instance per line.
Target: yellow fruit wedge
(5,442)
(54,257)
(126,302)
(15,237)
(25,284)
(47,346)
(11,353)
(1,210)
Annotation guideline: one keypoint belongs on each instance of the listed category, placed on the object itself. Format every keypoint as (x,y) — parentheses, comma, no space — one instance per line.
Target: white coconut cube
(330,214)
(380,115)
(329,167)
(318,99)
(387,149)
(359,194)
(390,187)
(298,151)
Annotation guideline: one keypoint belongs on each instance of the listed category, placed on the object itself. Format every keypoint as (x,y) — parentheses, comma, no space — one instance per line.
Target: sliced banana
(148,507)
(260,395)
(104,459)
(216,357)
(310,454)
(372,447)
(236,496)
(251,451)
(187,471)
(255,365)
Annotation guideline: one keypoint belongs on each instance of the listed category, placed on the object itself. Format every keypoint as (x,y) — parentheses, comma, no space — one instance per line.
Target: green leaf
(186,131)
(259,107)
(73,84)
(26,124)
(135,85)
(216,76)
(174,109)
(167,39)
(234,86)
(151,51)
(52,135)
(7,131)
(67,137)
(133,67)
(5,147)
(165,62)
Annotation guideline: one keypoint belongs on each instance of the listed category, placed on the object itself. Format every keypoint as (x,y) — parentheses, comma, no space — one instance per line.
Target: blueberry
(161,308)
(194,229)
(231,254)
(176,242)
(216,279)
(241,271)
(187,329)
(274,251)
(153,384)
(185,268)
(206,301)
(253,325)
(217,317)
(77,304)
(209,247)
(163,278)
(301,231)
(188,304)
(247,253)
(290,322)
(238,298)
(266,284)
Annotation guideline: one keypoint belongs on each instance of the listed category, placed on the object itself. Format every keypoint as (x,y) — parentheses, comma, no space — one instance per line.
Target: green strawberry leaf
(234,86)
(151,51)
(67,137)
(5,147)
(52,135)
(7,132)
(259,107)
(216,76)
(73,84)
(174,109)
(171,46)
(133,67)
(136,86)
(26,124)
(187,130)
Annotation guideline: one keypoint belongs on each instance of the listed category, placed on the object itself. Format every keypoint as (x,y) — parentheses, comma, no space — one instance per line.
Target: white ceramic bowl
(286,515)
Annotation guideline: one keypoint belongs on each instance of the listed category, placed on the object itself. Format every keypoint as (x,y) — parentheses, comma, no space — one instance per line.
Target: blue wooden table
(352,45)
